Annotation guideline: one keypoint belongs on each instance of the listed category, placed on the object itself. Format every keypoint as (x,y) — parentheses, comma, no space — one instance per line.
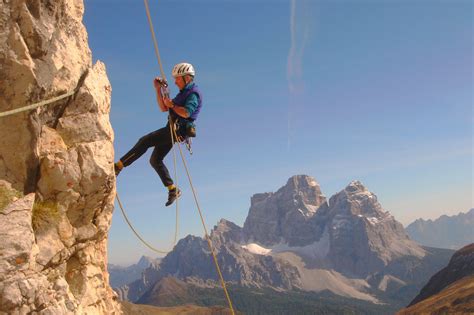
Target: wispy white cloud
(299,35)
(300,26)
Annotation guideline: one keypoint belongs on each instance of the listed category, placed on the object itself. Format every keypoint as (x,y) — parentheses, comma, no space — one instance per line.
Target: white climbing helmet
(182,69)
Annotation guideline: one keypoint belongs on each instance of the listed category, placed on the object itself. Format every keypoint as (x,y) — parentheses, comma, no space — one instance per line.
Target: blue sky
(381,92)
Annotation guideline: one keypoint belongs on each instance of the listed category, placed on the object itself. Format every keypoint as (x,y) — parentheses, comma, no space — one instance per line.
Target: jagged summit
(301,181)
(444,232)
(145,261)
(355,188)
(362,234)
(283,216)
(356,199)
(226,231)
(304,189)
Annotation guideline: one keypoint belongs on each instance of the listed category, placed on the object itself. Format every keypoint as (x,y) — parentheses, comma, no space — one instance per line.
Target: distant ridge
(451,232)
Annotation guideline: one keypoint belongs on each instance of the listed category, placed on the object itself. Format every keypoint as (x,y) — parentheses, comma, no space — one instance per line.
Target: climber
(183,111)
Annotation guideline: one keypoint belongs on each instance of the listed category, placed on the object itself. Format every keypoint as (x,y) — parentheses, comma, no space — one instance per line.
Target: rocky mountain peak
(283,216)
(301,182)
(357,200)
(356,187)
(362,234)
(145,262)
(226,231)
(305,189)
(224,226)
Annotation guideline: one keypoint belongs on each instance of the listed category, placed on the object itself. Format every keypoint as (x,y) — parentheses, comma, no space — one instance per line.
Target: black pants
(161,140)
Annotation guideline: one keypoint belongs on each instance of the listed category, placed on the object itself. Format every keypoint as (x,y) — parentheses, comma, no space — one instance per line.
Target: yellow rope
(163,75)
(177,202)
(175,179)
(152,29)
(185,166)
(134,231)
(36,105)
(174,154)
(209,243)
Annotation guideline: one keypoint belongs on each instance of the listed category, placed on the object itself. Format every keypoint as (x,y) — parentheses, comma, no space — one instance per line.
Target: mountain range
(446,232)
(119,275)
(295,240)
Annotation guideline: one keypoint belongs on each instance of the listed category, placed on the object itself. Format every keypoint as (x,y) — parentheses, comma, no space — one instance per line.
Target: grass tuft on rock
(45,214)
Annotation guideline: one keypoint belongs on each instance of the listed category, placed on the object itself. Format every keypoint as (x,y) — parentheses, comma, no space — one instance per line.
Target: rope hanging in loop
(135,231)
(172,132)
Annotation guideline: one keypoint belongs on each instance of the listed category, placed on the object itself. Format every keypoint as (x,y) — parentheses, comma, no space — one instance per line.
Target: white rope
(33,106)
(155,42)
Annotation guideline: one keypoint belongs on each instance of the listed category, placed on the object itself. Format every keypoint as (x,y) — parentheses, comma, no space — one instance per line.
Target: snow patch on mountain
(257,249)
(316,250)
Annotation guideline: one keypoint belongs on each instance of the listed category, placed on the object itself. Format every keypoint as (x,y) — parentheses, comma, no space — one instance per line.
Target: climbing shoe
(173,194)
(118,167)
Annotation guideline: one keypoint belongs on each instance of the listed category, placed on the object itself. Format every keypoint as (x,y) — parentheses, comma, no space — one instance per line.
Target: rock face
(363,237)
(451,232)
(55,162)
(191,259)
(273,217)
